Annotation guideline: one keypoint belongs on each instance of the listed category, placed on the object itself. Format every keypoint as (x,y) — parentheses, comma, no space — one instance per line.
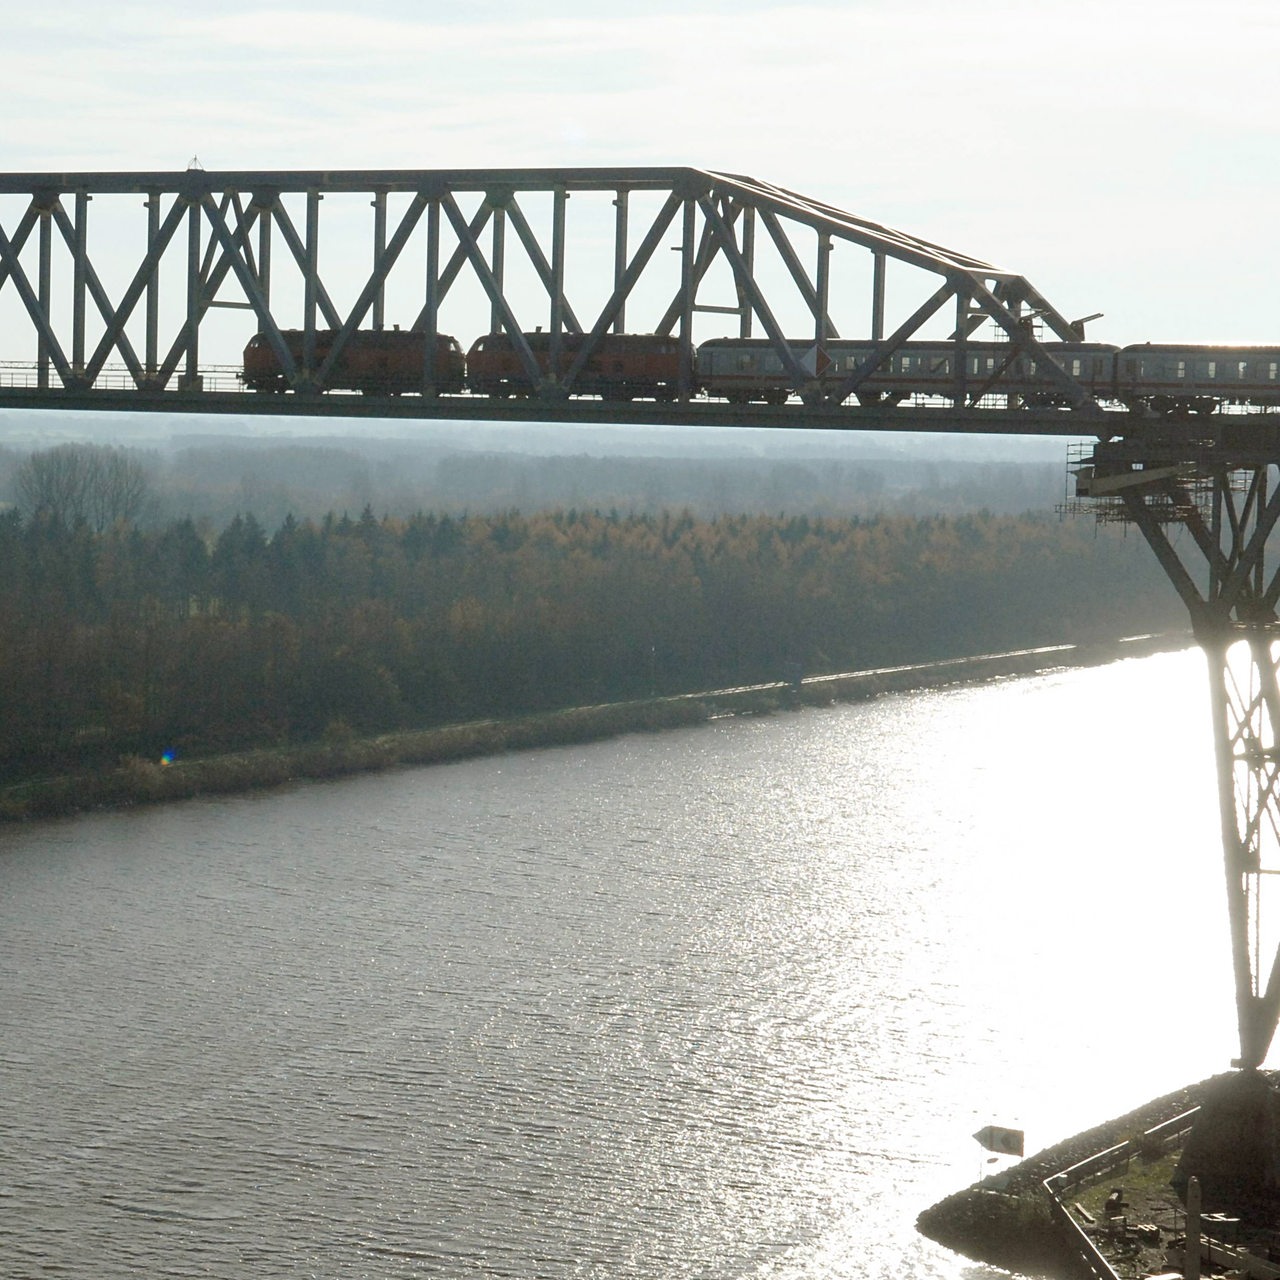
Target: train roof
(974,344)
(1207,349)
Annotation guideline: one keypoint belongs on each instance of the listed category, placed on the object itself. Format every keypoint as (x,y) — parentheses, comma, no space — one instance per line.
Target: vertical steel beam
(822,278)
(620,255)
(265,219)
(686,297)
(745,312)
(1215,564)
(190,379)
(152,355)
(1012,400)
(311,282)
(379,248)
(821,320)
(557,282)
(960,355)
(79,281)
(498,259)
(431,306)
(44,289)
(877,297)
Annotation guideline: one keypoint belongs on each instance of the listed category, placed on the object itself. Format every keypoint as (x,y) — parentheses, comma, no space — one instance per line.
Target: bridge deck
(1249,438)
(470,408)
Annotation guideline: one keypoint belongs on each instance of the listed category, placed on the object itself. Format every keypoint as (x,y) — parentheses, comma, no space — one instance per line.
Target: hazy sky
(1124,155)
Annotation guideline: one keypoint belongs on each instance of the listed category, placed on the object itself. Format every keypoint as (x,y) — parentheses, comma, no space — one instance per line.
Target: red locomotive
(622,366)
(373,361)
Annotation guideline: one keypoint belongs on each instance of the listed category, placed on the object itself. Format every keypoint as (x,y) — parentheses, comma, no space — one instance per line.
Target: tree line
(119,639)
(213,480)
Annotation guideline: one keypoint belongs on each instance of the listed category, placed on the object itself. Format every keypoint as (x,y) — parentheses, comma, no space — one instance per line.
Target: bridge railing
(26,375)
(118,377)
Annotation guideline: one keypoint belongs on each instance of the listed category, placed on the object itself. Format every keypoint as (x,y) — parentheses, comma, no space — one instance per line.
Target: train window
(744,361)
(905,366)
(1182,368)
(1271,370)
(1242,369)
(1077,368)
(1213,368)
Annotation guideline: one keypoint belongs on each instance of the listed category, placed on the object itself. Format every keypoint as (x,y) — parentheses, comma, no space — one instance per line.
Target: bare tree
(96,484)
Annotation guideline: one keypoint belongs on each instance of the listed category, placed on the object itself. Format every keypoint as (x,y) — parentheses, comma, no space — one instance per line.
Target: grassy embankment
(138,781)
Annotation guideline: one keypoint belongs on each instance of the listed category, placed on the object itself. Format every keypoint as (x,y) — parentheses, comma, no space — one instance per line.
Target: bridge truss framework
(253,241)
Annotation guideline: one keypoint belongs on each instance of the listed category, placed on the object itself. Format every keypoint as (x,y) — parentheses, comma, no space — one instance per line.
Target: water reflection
(726,1002)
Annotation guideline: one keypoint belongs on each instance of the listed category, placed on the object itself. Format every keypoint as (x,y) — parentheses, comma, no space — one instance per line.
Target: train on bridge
(1159,378)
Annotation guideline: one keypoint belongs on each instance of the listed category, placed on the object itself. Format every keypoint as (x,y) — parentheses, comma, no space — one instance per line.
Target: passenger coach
(742,370)
(1171,379)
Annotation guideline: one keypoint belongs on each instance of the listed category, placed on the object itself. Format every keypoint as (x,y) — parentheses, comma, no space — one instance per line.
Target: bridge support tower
(1207,501)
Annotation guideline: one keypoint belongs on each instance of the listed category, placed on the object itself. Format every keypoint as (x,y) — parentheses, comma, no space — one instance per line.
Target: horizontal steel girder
(209,237)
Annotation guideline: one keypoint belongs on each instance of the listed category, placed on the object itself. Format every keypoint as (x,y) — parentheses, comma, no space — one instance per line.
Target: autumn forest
(122,636)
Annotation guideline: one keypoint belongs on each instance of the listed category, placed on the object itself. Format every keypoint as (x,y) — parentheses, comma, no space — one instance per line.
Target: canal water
(722,1002)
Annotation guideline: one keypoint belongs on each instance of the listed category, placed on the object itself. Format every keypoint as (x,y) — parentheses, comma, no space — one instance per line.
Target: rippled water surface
(724,1002)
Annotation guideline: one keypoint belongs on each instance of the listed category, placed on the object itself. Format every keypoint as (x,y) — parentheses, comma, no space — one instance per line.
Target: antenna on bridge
(194,163)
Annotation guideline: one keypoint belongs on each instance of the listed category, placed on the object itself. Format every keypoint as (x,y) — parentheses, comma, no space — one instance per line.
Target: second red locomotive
(621,366)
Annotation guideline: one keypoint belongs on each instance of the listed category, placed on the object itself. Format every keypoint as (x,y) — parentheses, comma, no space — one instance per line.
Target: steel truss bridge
(123,318)
(121,308)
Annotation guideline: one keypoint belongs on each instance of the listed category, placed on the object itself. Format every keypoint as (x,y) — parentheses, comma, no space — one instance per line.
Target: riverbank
(136,780)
